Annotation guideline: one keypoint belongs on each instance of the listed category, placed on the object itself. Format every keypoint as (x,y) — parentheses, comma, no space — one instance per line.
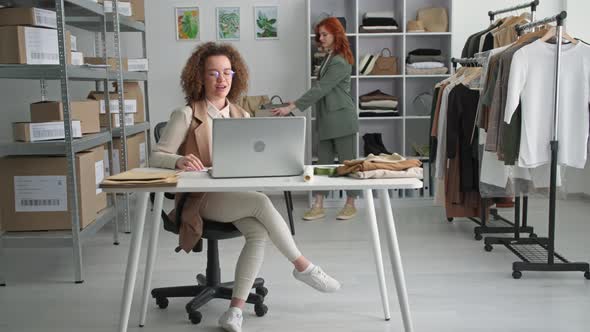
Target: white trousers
(256,218)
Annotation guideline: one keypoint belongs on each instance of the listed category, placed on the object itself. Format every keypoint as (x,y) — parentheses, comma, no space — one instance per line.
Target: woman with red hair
(336,113)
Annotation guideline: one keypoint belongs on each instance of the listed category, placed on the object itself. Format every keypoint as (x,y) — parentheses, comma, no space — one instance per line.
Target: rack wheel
(516,274)
(478,237)
(162,302)
(195,317)
(533,236)
(587,275)
(260,309)
(262,291)
(450,219)
(488,247)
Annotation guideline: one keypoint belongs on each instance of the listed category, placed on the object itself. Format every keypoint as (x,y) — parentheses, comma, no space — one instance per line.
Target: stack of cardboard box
(29,36)
(134,111)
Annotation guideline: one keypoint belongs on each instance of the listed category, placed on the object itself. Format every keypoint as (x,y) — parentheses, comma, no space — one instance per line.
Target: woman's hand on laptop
(284,111)
(189,163)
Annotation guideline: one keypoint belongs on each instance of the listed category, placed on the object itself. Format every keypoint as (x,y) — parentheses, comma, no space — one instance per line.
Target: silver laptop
(258,147)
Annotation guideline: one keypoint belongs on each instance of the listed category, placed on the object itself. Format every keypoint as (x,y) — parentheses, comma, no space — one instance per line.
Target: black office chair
(209,285)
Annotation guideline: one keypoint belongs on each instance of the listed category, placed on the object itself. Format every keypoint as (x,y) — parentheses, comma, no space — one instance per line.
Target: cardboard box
(36,17)
(35,198)
(138,10)
(31,45)
(85,111)
(44,131)
(133,91)
(112,62)
(133,101)
(99,171)
(139,64)
(124,7)
(136,153)
(116,120)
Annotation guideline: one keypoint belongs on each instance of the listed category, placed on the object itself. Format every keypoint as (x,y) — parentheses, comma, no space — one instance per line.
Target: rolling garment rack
(514,227)
(532,4)
(484,227)
(538,254)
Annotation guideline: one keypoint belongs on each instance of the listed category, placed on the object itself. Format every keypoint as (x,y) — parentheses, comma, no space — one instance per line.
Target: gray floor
(453,284)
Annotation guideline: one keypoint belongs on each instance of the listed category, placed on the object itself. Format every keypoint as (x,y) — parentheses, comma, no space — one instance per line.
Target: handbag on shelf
(251,104)
(265,109)
(385,65)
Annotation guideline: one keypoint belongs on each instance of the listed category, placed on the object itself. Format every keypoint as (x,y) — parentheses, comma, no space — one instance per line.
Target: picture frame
(227,22)
(187,23)
(266,22)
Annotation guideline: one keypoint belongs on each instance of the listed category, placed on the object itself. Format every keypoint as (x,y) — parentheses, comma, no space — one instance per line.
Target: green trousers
(345,148)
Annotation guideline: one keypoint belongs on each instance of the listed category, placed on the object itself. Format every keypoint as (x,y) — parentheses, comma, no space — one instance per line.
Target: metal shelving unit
(89,16)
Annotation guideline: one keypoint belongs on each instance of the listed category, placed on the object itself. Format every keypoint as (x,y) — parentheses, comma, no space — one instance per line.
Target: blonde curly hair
(193,75)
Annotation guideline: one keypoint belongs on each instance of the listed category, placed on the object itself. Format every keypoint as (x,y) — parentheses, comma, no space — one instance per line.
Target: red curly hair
(193,75)
(341,44)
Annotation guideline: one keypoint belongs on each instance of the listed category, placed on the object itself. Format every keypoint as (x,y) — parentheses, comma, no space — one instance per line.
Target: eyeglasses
(227,74)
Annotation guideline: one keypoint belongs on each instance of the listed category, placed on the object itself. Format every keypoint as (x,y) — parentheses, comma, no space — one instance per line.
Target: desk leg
(2,264)
(372,221)
(396,260)
(133,260)
(151,256)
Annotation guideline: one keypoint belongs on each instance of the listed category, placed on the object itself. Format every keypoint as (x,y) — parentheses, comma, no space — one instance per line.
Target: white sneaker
(318,279)
(231,320)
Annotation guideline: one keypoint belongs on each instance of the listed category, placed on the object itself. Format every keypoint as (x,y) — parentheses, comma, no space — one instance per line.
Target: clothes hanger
(551,34)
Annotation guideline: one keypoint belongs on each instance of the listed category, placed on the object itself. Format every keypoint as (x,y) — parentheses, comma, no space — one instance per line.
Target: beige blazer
(188,131)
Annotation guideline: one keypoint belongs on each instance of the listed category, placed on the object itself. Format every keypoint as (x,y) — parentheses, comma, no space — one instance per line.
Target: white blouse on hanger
(532,81)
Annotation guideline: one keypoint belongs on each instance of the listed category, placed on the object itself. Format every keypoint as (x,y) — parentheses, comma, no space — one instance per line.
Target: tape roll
(329,171)
(308,173)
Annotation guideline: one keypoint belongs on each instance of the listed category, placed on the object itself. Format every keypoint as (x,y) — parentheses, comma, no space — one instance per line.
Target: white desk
(201,182)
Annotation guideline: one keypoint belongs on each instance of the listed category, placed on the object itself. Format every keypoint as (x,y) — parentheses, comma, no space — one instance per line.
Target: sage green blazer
(335,110)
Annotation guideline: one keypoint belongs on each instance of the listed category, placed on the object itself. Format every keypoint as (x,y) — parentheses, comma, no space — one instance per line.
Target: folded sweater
(414,172)
(424,58)
(426,65)
(425,51)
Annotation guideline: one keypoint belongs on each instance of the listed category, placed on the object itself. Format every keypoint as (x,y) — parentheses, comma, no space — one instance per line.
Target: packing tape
(329,171)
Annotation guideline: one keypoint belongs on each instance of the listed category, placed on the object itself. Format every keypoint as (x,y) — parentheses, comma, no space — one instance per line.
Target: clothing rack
(465,62)
(483,222)
(538,254)
(533,5)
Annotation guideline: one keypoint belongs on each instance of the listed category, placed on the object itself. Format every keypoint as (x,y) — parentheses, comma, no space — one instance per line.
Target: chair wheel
(201,279)
(587,275)
(262,291)
(162,302)
(516,274)
(533,235)
(450,219)
(260,309)
(488,247)
(195,317)
(478,237)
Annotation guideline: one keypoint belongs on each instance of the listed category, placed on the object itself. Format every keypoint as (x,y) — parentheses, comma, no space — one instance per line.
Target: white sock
(308,269)
(235,309)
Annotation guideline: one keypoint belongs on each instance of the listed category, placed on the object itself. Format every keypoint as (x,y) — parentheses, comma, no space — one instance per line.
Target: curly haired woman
(214,76)
(337,117)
